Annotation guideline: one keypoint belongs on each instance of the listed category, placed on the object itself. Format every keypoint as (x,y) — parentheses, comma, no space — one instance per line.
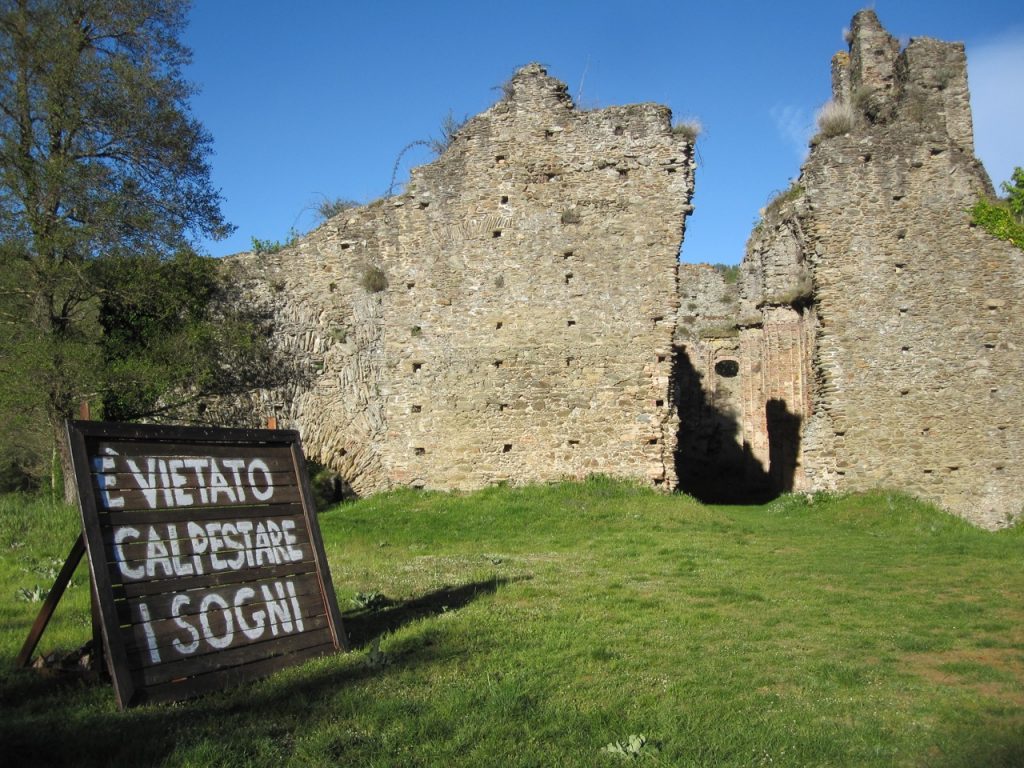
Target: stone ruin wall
(535,324)
(523,327)
(908,318)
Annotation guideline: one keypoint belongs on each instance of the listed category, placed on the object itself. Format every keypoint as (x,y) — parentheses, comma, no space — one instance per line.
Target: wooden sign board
(205,553)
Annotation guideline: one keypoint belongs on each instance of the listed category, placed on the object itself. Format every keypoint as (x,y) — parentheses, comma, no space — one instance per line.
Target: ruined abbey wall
(518,313)
(509,317)
(910,318)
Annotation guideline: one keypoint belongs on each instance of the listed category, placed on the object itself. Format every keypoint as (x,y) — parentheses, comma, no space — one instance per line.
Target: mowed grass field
(537,626)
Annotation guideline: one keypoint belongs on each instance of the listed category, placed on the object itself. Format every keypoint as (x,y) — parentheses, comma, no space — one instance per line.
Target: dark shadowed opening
(712,464)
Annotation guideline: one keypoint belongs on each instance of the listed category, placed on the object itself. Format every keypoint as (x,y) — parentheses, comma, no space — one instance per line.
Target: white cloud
(795,125)
(996,74)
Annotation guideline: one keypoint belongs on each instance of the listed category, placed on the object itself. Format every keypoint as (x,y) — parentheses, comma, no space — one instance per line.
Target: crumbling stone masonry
(878,333)
(509,317)
(518,313)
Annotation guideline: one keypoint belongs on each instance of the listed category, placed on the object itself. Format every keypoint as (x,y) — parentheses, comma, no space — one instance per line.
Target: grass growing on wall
(556,625)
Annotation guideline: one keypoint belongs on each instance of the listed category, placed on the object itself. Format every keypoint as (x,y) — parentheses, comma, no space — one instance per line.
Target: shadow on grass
(988,744)
(363,625)
(68,720)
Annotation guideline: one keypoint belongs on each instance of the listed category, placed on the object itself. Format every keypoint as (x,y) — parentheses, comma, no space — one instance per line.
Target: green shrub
(328,209)
(450,127)
(260,247)
(730,272)
(1004,218)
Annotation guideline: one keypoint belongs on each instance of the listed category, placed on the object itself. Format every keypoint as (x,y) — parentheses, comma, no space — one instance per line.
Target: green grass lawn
(536,626)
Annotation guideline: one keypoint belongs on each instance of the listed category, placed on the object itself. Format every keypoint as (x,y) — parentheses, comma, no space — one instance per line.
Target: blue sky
(308,99)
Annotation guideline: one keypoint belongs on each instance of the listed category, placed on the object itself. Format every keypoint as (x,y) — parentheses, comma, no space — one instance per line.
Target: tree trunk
(67,469)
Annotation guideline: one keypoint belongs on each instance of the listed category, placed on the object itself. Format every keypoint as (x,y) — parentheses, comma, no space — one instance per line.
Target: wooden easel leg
(46,612)
(99,651)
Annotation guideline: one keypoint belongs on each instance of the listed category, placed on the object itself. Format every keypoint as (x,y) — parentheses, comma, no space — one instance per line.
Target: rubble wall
(508,317)
(914,314)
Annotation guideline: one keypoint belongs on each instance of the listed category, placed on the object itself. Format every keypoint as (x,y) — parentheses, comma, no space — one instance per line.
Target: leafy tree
(1004,218)
(172,336)
(99,159)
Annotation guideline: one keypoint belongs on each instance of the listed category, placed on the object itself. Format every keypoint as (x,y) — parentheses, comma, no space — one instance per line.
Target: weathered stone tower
(877,338)
(509,317)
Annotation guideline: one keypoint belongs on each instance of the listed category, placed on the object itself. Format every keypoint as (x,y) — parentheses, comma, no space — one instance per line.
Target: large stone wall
(509,317)
(518,313)
(879,324)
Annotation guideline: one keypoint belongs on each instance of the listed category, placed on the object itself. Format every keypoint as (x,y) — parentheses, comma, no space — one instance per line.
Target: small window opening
(653,441)
(499,159)
(498,363)
(619,130)
(659,403)
(342,452)
(573,443)
(345,246)
(410,285)
(570,323)
(417,367)
(568,277)
(727,368)
(423,205)
(567,255)
(502,407)
(548,133)
(623,173)
(496,233)
(417,409)
(497,325)
(659,481)
(506,448)
(661,358)
(569,361)
(550,176)
(419,451)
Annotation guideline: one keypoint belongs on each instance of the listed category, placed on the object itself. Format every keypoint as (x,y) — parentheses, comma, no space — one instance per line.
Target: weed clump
(690,129)
(372,278)
(835,118)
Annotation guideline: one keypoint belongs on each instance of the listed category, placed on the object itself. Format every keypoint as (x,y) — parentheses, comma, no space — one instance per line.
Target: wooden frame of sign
(205,553)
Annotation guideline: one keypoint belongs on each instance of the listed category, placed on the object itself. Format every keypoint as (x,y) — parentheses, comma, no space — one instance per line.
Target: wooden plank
(117,660)
(187,514)
(162,606)
(139,552)
(184,533)
(193,639)
(235,657)
(131,499)
(131,590)
(323,569)
(166,450)
(223,678)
